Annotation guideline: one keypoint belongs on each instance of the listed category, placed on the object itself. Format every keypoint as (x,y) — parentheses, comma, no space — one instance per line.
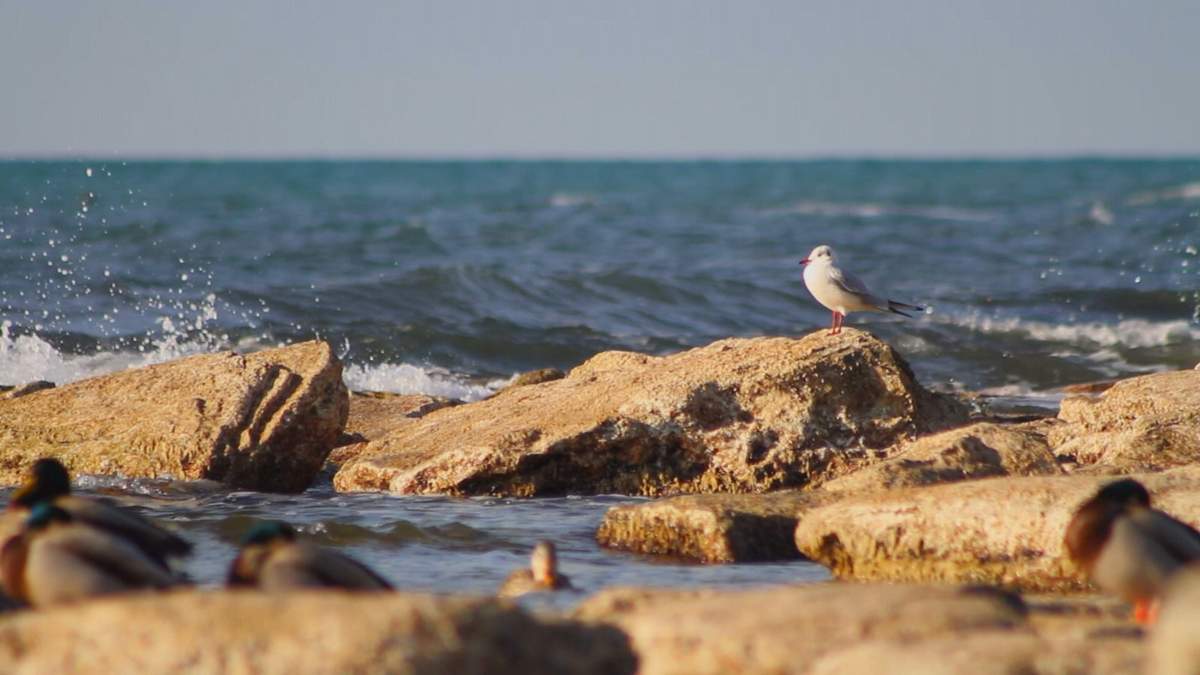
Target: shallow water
(449,277)
(427,543)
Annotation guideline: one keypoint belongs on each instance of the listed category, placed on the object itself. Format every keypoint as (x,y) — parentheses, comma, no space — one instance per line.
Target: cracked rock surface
(262,421)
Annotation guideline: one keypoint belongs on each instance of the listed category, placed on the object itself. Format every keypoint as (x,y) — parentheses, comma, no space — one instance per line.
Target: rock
(977,451)
(537,377)
(712,528)
(303,632)
(867,628)
(262,421)
(1141,424)
(1002,531)
(1174,641)
(27,388)
(739,415)
(373,414)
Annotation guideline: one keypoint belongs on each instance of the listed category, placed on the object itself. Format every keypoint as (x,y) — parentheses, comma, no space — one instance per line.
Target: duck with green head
(1128,548)
(541,575)
(272,559)
(56,559)
(49,482)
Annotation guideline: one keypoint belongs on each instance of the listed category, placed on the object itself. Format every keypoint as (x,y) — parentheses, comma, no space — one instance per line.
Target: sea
(450,277)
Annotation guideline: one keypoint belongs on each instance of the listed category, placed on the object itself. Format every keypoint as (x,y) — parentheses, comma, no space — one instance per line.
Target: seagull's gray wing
(852,284)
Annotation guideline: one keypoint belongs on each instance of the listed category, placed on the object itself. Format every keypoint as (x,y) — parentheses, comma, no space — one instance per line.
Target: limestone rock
(977,451)
(739,415)
(712,528)
(867,628)
(1146,423)
(1003,531)
(303,632)
(373,414)
(786,629)
(262,421)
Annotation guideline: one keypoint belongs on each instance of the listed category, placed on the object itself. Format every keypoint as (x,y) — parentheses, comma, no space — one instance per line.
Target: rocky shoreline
(824,447)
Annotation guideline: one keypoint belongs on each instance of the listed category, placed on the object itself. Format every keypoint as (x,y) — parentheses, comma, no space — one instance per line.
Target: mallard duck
(1128,548)
(54,559)
(272,559)
(50,482)
(541,575)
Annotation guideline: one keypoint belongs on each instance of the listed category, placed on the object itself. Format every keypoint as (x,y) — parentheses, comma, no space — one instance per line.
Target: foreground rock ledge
(262,421)
(721,528)
(303,632)
(865,628)
(739,415)
(1003,531)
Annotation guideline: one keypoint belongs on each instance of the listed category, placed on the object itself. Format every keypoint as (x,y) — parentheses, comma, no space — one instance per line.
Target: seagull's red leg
(833,324)
(838,318)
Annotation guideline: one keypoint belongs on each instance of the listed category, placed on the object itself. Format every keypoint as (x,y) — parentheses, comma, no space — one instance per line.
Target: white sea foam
(1129,333)
(26,358)
(404,378)
(564,200)
(871,210)
(1185,191)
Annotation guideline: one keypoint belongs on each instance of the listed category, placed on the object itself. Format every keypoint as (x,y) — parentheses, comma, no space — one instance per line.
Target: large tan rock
(303,632)
(977,451)
(740,415)
(373,414)
(1004,531)
(1141,424)
(711,528)
(852,628)
(263,421)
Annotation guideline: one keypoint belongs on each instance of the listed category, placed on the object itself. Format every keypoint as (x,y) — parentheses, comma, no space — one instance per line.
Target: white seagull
(842,292)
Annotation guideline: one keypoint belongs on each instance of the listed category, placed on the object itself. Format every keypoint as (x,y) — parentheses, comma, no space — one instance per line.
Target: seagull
(842,292)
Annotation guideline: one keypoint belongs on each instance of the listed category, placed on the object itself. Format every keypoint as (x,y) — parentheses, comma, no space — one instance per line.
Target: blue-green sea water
(449,277)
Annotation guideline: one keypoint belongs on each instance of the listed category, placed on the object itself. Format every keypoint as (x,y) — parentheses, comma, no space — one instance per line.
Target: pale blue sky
(637,79)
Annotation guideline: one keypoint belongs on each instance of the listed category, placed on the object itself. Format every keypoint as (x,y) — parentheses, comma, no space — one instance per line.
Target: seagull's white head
(822,254)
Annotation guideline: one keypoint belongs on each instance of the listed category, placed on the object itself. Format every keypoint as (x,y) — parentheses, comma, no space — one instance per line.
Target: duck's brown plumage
(54,560)
(272,559)
(1127,547)
(49,482)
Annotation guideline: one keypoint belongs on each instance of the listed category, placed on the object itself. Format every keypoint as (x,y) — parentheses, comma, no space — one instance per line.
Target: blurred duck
(54,559)
(272,559)
(1127,548)
(541,575)
(49,482)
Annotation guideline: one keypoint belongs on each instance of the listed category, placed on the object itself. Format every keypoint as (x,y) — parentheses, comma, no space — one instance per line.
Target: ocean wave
(873,210)
(563,200)
(1179,192)
(404,378)
(27,358)
(1128,333)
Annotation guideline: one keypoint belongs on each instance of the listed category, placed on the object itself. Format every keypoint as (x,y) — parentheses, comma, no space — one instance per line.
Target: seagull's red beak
(804,262)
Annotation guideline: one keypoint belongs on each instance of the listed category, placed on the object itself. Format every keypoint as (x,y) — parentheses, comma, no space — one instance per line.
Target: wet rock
(1003,531)
(1174,640)
(262,421)
(1141,424)
(739,415)
(26,389)
(373,414)
(712,528)
(977,451)
(537,377)
(303,632)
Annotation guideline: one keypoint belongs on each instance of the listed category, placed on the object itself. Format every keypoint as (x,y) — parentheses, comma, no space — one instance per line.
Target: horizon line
(603,157)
